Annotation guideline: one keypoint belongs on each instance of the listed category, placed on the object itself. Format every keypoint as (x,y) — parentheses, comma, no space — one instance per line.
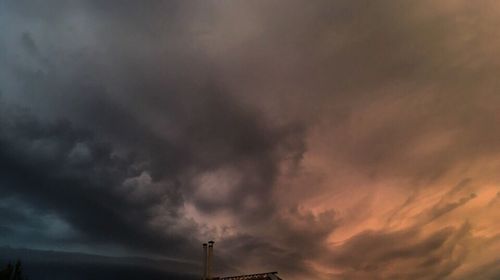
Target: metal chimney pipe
(210,259)
(204,261)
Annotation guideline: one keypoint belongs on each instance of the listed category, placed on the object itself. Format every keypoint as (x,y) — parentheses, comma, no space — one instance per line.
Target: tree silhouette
(11,272)
(5,273)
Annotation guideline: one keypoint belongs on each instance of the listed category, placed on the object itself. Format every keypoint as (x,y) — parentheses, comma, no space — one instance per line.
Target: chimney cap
(211,242)
(204,244)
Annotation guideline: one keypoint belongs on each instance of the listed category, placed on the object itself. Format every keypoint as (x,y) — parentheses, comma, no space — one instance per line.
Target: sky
(320,139)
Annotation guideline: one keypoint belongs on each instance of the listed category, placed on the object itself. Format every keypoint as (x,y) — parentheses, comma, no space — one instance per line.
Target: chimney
(204,261)
(209,259)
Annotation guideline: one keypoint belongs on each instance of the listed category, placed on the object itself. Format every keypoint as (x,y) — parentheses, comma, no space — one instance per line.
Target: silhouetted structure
(208,250)
(260,276)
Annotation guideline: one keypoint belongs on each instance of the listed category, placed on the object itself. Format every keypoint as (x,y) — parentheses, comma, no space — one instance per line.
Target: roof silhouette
(259,276)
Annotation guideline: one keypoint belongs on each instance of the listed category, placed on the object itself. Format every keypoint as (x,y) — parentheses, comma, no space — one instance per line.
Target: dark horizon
(57,265)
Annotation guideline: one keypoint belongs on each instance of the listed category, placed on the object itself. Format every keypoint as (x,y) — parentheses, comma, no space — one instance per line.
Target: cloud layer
(329,140)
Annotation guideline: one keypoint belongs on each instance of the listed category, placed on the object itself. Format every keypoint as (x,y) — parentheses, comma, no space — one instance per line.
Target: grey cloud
(28,43)
(36,168)
(287,241)
(39,165)
(159,98)
(77,167)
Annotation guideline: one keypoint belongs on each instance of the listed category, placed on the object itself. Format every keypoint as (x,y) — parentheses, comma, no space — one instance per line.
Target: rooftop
(259,276)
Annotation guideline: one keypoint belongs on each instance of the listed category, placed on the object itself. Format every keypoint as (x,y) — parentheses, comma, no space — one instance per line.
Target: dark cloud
(66,171)
(80,176)
(401,255)
(152,125)
(28,43)
(291,238)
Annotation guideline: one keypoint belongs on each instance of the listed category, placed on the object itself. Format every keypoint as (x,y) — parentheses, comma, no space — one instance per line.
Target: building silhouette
(208,253)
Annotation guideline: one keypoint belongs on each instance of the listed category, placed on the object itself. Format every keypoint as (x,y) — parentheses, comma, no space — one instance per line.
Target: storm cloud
(325,140)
